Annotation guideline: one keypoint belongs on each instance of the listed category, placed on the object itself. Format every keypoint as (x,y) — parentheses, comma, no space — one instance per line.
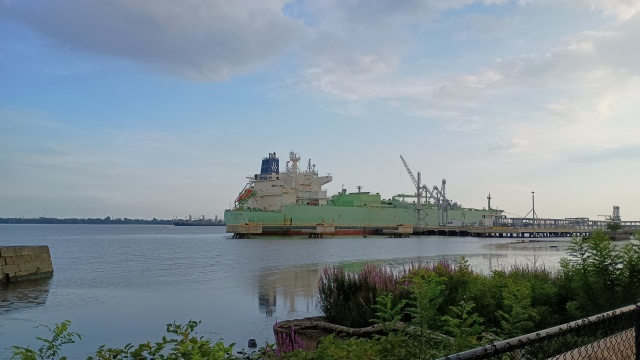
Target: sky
(162,108)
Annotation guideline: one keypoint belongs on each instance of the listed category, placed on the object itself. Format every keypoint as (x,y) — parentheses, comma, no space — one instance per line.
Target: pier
(506,232)
(508,228)
(19,263)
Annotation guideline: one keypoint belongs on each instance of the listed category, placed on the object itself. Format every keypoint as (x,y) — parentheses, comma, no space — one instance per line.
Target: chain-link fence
(612,335)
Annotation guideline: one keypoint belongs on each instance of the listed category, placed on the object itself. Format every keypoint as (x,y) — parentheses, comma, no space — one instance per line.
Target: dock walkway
(405,230)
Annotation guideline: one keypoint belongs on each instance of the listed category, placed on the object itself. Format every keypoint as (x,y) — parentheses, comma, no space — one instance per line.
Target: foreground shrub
(599,276)
(50,349)
(181,345)
(596,276)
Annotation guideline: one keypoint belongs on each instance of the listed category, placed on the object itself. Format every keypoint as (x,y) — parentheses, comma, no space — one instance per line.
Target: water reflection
(22,295)
(295,288)
(541,245)
(292,291)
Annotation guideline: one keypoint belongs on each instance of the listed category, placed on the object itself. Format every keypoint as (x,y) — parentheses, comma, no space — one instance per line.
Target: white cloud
(202,40)
(513,146)
(621,9)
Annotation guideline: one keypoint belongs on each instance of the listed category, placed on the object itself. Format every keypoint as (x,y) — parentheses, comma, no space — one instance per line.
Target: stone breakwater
(19,263)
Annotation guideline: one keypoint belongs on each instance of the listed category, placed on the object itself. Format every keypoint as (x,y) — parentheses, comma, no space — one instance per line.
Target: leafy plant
(427,292)
(614,226)
(387,314)
(630,254)
(596,275)
(518,316)
(51,347)
(183,346)
(465,327)
(335,348)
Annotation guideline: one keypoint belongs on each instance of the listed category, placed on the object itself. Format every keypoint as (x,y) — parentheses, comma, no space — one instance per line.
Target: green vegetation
(426,311)
(50,349)
(614,226)
(181,344)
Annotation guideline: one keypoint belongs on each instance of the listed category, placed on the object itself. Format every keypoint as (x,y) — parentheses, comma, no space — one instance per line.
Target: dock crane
(437,195)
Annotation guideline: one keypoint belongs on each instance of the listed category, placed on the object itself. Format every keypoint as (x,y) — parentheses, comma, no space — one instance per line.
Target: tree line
(106,220)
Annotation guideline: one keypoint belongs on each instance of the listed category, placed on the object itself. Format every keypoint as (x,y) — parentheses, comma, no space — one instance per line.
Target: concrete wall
(19,263)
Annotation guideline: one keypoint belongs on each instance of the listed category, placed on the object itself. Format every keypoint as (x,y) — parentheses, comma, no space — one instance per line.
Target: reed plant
(287,343)
(347,298)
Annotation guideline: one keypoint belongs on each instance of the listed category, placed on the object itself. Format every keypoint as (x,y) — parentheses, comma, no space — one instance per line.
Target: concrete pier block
(8,251)
(11,269)
(19,263)
(28,250)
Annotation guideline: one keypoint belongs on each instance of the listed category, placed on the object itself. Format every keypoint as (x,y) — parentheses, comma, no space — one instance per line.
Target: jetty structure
(20,263)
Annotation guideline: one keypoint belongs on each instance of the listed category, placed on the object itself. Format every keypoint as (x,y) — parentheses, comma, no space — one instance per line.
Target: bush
(180,345)
(60,335)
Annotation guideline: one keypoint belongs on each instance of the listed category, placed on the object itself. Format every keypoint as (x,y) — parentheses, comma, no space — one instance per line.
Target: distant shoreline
(89,221)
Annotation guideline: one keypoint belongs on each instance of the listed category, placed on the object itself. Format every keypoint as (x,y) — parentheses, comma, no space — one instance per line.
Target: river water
(122,284)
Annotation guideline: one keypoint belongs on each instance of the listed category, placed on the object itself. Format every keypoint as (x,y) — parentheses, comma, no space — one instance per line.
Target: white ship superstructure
(271,190)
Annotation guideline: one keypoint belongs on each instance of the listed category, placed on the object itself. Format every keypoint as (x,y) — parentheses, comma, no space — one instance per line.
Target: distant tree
(106,220)
(614,226)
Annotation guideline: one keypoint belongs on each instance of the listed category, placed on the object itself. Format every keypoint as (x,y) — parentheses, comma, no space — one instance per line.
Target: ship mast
(294,158)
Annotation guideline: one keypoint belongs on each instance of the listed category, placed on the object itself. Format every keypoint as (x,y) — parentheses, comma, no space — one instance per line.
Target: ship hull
(339,231)
(302,220)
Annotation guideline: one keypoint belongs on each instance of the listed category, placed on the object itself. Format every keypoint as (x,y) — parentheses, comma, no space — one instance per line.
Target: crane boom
(438,195)
(413,178)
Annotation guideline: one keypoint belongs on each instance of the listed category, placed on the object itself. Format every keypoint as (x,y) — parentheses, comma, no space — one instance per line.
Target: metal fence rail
(611,335)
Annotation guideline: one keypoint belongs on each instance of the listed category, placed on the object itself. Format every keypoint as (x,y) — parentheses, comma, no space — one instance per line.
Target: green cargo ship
(292,202)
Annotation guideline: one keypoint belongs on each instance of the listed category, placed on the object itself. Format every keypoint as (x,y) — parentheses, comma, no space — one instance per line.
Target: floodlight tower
(534,216)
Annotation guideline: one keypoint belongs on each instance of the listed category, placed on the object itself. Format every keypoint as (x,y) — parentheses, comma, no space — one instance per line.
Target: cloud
(624,152)
(339,15)
(354,52)
(512,147)
(621,9)
(202,40)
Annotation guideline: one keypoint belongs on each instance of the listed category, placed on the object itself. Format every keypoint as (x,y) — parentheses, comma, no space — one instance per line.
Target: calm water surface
(123,283)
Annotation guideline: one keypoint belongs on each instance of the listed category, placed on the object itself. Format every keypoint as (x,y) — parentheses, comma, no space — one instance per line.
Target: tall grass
(349,298)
